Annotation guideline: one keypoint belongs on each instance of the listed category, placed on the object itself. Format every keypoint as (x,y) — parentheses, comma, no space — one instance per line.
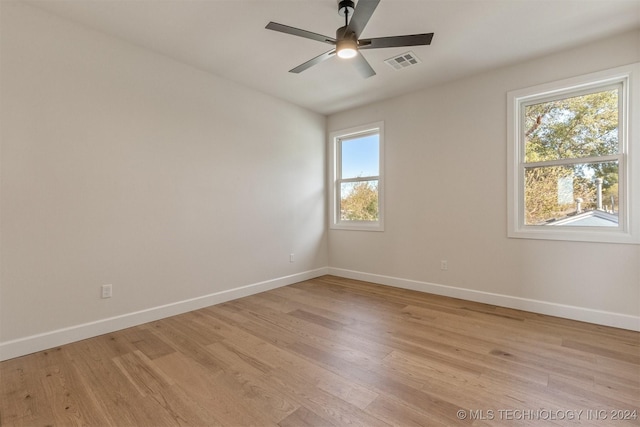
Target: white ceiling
(227,38)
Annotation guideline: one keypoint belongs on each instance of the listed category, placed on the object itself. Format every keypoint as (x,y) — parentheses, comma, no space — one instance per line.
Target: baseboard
(34,343)
(599,317)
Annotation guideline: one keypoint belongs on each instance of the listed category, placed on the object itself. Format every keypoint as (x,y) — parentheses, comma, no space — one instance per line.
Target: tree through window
(571,158)
(574,158)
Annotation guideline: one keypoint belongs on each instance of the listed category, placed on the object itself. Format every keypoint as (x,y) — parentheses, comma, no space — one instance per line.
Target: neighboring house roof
(593,218)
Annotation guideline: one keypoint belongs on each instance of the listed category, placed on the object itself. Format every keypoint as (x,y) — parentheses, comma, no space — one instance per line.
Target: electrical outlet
(107,291)
(292,258)
(443,265)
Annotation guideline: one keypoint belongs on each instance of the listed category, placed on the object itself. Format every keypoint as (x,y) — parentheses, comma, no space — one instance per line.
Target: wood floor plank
(398,414)
(235,359)
(20,395)
(348,391)
(324,405)
(141,373)
(631,355)
(147,342)
(103,384)
(382,383)
(303,417)
(331,352)
(205,388)
(68,407)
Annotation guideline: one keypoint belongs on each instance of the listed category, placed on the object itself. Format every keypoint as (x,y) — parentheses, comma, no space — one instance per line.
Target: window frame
(335,178)
(628,156)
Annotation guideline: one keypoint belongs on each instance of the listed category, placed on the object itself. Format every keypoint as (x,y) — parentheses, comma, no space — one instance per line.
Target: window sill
(357,226)
(584,234)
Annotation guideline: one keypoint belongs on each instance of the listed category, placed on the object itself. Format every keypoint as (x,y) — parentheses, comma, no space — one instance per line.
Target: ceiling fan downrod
(345,8)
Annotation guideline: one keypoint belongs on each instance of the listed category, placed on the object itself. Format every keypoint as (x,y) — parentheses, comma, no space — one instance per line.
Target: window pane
(575,127)
(359,201)
(360,156)
(572,195)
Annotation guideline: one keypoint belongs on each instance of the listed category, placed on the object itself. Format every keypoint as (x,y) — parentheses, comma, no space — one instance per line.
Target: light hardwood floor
(333,351)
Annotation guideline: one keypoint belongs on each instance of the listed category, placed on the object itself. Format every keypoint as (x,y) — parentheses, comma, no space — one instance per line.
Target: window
(570,159)
(356,178)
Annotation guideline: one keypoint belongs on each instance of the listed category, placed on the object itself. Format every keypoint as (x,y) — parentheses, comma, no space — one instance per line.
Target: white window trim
(334,215)
(629,185)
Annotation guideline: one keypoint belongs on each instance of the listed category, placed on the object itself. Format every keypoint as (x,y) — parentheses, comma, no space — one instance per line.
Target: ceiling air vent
(405,60)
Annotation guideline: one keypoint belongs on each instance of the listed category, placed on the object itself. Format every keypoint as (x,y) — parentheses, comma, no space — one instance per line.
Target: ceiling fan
(347,42)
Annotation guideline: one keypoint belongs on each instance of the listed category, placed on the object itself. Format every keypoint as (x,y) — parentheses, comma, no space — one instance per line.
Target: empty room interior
(319,212)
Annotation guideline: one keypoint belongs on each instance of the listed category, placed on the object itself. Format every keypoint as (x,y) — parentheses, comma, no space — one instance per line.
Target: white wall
(122,166)
(446,200)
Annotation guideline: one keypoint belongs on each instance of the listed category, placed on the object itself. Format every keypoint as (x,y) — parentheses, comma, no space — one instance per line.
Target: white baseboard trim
(39,342)
(599,317)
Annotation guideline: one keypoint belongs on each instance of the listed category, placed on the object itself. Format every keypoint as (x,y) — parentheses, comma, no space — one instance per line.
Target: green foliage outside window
(359,201)
(584,126)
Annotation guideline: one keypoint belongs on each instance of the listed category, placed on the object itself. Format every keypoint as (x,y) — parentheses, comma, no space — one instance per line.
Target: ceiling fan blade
(361,15)
(363,66)
(300,33)
(396,41)
(310,63)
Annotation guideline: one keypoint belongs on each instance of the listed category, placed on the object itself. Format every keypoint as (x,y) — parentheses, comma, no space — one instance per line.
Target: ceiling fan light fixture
(347,48)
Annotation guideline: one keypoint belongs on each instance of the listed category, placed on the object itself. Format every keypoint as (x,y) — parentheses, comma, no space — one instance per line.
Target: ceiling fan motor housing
(344,33)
